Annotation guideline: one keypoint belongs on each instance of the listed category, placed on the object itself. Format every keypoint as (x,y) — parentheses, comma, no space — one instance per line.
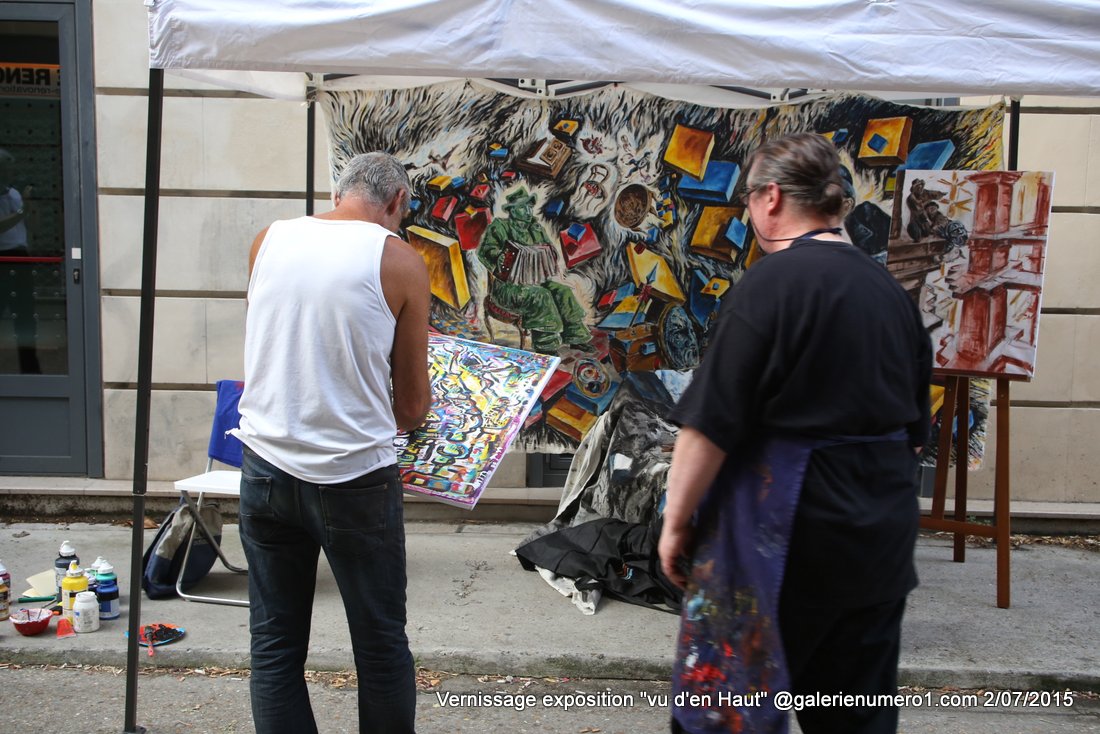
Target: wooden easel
(956,401)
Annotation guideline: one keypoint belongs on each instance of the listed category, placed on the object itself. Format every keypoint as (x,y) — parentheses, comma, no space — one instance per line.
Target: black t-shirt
(816,339)
(819,340)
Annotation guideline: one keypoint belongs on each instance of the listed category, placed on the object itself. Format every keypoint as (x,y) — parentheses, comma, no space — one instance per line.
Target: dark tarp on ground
(616,557)
(618,474)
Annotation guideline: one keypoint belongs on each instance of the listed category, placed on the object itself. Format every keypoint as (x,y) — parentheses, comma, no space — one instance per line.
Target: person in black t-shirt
(811,402)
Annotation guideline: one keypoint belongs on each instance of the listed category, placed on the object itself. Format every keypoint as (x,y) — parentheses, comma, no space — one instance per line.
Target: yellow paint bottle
(74,582)
(5,593)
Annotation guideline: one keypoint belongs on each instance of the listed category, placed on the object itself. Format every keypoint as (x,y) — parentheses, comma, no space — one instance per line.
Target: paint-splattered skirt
(730,660)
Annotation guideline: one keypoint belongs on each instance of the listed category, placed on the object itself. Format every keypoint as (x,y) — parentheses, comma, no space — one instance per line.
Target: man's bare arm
(407,290)
(256,244)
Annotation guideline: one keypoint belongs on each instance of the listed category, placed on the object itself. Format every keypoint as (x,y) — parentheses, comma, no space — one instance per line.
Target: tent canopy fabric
(952,46)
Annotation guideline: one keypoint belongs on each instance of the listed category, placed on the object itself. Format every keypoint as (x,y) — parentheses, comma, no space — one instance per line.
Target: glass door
(43,412)
(33,338)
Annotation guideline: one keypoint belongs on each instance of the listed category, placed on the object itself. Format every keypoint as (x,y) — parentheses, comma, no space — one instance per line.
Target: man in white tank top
(336,362)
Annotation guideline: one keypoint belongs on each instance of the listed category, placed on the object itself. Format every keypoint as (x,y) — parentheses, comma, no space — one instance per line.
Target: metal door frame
(84,381)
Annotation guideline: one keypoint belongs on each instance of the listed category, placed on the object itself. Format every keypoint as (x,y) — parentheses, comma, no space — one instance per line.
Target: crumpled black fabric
(615,556)
(620,469)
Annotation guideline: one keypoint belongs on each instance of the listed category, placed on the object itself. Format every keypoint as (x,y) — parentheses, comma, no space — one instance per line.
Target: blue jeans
(360,526)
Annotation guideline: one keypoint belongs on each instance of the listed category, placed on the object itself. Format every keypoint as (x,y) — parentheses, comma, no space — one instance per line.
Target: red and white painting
(970,247)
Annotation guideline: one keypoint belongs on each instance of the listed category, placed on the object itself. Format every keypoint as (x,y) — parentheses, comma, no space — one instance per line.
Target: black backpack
(162,559)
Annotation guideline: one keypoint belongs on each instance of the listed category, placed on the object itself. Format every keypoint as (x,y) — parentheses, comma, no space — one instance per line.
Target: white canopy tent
(951,46)
(915,48)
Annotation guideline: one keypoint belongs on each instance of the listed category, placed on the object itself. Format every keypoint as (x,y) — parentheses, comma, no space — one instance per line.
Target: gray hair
(374,176)
(806,168)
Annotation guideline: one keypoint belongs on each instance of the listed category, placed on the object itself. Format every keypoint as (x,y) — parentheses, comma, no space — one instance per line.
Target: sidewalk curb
(1001,680)
(599,666)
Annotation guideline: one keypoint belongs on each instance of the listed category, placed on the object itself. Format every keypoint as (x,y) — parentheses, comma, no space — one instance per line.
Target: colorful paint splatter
(729,658)
(481,395)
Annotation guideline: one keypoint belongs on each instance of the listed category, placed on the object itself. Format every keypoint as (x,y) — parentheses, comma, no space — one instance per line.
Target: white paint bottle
(86,612)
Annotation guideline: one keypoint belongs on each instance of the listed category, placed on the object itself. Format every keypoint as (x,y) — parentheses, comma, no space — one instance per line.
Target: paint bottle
(65,555)
(74,582)
(90,575)
(107,591)
(85,612)
(93,580)
(5,593)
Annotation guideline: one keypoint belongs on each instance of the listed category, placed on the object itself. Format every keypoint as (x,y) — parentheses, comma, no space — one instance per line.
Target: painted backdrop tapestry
(604,227)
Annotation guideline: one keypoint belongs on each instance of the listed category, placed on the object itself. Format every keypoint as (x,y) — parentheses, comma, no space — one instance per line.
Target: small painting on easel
(970,247)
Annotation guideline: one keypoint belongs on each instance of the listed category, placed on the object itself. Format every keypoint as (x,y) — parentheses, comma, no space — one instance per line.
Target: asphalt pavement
(205,701)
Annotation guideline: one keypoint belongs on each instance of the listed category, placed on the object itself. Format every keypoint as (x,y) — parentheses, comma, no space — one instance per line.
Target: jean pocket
(355,518)
(257,517)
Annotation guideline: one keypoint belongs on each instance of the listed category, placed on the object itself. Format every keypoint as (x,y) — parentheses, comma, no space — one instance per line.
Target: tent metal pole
(311,138)
(145,381)
(1014,134)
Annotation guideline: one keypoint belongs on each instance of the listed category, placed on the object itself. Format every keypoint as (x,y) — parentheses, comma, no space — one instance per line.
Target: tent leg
(311,138)
(145,381)
(1014,135)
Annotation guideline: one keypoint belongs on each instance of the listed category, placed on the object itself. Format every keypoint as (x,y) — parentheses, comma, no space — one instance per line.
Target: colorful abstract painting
(970,246)
(481,395)
(604,228)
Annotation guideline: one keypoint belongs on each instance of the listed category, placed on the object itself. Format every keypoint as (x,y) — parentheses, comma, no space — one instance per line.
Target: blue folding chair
(227,450)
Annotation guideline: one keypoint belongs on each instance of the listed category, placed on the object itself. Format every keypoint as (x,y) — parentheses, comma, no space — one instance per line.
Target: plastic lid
(74,569)
(105,569)
(66,549)
(99,560)
(86,596)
